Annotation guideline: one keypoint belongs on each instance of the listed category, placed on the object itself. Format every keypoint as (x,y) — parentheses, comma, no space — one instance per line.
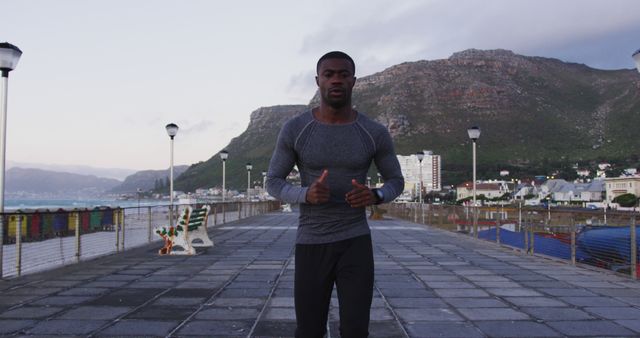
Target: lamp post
(139,193)
(9,57)
(223,156)
(264,181)
(420,156)
(474,134)
(172,130)
(249,167)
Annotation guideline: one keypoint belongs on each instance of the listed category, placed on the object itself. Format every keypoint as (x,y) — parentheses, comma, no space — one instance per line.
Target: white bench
(191,226)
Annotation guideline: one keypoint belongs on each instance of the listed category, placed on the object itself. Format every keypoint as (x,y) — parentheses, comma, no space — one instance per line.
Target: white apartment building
(617,186)
(431,178)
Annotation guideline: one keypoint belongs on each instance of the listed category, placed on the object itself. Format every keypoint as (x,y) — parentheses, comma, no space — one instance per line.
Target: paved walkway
(429,283)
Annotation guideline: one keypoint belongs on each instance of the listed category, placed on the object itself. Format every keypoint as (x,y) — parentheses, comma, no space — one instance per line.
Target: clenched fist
(360,195)
(319,191)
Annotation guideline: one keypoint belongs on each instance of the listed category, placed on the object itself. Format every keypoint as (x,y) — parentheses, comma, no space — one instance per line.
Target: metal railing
(38,240)
(602,238)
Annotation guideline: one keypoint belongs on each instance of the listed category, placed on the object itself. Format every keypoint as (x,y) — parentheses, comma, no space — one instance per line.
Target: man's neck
(327,114)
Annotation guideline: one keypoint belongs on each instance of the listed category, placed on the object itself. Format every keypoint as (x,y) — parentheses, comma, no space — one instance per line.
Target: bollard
(149,231)
(634,248)
(573,241)
(533,237)
(526,235)
(475,221)
(19,245)
(117,226)
(122,214)
(1,242)
(78,247)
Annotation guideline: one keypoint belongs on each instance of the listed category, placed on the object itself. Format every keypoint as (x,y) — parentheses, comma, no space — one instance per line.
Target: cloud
(436,29)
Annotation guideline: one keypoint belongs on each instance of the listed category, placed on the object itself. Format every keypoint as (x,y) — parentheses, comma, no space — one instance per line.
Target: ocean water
(55,204)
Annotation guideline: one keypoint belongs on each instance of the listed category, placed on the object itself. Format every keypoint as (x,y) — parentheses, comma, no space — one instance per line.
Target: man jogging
(333,146)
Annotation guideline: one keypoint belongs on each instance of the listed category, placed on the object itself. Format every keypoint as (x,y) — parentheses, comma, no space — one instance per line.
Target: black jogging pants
(348,263)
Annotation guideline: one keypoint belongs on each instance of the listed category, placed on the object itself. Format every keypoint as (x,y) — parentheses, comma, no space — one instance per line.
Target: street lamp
(9,57)
(223,156)
(420,156)
(474,134)
(636,57)
(264,181)
(249,167)
(172,130)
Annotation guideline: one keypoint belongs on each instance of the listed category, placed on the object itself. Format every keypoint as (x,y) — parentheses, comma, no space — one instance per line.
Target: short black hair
(336,55)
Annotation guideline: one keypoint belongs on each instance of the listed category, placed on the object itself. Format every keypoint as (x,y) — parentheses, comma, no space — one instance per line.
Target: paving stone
(520,292)
(62,300)
(163,312)
(475,302)
(279,313)
(442,329)
(633,324)
(228,313)
(84,292)
(126,297)
(31,312)
(188,293)
(178,301)
(591,328)
(438,314)
(416,302)
(31,291)
(592,301)
(136,327)
(282,302)
(273,328)
(95,312)
(574,292)
(493,314)
(150,285)
(240,302)
(465,293)
(67,327)
(615,312)
(212,328)
(450,285)
(556,313)
(14,300)
(8,326)
(534,301)
(244,293)
(516,329)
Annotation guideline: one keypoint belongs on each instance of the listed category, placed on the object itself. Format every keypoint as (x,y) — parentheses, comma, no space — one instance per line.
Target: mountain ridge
(534,113)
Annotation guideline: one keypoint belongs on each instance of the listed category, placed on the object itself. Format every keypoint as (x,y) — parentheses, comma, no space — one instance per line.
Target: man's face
(335,81)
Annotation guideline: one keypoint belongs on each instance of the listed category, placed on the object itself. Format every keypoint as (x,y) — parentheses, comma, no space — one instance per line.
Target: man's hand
(360,195)
(319,191)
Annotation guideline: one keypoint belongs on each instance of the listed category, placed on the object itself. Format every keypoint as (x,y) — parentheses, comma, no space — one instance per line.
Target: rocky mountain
(146,179)
(535,113)
(30,181)
(254,145)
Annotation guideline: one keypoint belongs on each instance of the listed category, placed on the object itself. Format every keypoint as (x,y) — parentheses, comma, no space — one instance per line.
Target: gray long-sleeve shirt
(346,151)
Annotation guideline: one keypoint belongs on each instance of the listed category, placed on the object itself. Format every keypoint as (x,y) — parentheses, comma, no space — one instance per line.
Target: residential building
(490,189)
(616,186)
(431,178)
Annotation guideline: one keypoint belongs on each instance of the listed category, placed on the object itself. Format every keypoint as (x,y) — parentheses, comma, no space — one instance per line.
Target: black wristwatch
(379,195)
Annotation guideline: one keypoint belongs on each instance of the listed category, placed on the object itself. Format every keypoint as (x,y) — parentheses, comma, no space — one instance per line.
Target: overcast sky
(99,80)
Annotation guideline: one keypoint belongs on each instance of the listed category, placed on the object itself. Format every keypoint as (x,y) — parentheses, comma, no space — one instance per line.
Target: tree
(626,200)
